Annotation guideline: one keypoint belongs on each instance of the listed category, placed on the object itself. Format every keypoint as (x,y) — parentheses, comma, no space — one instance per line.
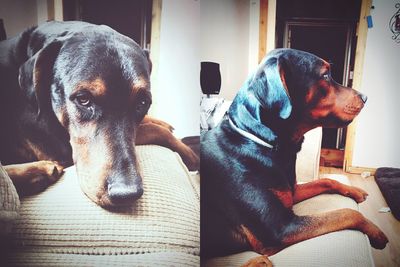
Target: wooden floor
(390,256)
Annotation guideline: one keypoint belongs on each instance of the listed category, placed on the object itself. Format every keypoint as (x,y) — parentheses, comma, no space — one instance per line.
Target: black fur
(64,52)
(237,174)
(46,72)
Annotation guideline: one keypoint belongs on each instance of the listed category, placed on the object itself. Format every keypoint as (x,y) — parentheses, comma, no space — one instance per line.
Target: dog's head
(297,87)
(96,82)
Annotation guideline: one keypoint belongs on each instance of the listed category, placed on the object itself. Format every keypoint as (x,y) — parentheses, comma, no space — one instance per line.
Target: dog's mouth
(352,110)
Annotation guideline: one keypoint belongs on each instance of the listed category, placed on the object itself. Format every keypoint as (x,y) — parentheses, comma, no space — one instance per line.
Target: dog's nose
(122,194)
(363,97)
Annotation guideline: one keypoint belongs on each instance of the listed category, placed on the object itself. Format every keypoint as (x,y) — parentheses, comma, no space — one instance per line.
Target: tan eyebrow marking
(139,84)
(97,86)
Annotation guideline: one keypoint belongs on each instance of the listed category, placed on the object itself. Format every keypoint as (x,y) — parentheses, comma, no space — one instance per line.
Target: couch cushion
(159,259)
(9,203)
(342,248)
(62,221)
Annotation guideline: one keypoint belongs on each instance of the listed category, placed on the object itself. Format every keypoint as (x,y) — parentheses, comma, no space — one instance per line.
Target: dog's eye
(143,102)
(84,100)
(142,105)
(326,77)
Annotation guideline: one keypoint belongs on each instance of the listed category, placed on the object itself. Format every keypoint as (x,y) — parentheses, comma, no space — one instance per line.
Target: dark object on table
(210,78)
(388,180)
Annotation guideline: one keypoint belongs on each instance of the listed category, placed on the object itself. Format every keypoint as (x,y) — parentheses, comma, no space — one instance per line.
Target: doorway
(327,29)
(131,18)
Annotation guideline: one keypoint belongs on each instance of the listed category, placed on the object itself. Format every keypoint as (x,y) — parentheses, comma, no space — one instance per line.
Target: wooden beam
(263,30)
(358,67)
(50,10)
(155,31)
(58,10)
(271,25)
(55,10)
(155,47)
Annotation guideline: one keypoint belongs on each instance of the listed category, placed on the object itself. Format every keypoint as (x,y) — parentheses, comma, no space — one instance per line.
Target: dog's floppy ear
(36,76)
(147,54)
(270,88)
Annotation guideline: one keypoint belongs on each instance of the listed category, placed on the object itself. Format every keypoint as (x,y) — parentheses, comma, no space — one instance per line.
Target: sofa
(62,227)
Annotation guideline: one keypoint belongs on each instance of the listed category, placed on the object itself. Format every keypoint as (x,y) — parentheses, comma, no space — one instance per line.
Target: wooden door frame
(268,7)
(267,23)
(362,32)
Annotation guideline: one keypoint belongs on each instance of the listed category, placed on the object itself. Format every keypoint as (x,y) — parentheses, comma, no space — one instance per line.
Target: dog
(78,93)
(248,179)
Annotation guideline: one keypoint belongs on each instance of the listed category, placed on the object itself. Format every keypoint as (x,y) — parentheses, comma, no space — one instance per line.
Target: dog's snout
(363,97)
(122,194)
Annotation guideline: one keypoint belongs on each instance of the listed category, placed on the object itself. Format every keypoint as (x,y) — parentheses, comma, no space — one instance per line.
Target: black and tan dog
(77,93)
(248,180)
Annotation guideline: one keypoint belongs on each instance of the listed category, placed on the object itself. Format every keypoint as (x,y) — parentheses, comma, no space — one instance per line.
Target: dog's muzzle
(121,194)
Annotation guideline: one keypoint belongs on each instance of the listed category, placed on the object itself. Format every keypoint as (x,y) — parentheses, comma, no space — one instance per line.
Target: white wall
(225,39)
(377,140)
(18,15)
(176,93)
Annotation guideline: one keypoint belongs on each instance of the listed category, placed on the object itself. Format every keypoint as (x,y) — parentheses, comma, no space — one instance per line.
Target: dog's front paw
(53,170)
(166,125)
(148,119)
(191,160)
(37,176)
(261,261)
(379,241)
(358,194)
(376,237)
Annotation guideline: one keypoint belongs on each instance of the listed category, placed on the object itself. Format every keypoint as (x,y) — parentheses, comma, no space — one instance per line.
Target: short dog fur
(248,180)
(78,93)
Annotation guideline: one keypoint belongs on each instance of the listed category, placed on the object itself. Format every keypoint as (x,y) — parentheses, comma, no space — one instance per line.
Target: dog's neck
(250,136)
(282,143)
(279,137)
(248,118)
(246,121)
